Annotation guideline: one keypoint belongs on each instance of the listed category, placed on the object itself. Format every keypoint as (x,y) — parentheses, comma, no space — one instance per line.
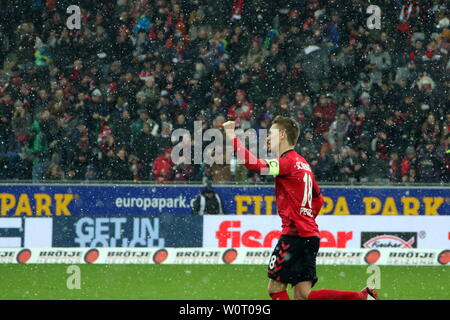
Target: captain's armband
(274,166)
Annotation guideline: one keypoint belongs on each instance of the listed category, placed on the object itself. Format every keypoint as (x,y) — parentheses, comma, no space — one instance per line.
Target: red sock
(328,294)
(282,295)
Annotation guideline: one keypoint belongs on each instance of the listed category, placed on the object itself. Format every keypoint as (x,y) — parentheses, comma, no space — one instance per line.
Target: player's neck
(283,148)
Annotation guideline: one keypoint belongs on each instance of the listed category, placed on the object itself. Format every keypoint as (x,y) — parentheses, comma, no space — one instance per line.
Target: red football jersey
(296,190)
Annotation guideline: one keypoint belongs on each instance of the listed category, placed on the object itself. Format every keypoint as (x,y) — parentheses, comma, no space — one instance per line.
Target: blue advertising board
(135,200)
(130,231)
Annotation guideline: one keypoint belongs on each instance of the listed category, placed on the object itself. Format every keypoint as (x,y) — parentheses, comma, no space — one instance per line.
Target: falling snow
(100,103)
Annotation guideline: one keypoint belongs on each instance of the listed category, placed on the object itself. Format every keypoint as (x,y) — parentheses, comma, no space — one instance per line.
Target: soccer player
(298,201)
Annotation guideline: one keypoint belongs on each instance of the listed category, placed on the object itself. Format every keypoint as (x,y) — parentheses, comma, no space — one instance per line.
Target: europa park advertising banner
(40,216)
(133,200)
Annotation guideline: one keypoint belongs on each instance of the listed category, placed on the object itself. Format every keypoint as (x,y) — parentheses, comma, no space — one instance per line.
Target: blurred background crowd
(101,102)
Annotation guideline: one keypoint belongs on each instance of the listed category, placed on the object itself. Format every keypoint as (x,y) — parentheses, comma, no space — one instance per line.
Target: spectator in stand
(380,145)
(430,130)
(339,129)
(361,166)
(394,167)
(6,112)
(39,150)
(324,113)
(97,111)
(346,165)
(379,64)
(183,171)
(164,140)
(54,172)
(121,128)
(145,148)
(301,109)
(21,121)
(119,166)
(136,127)
(241,111)
(409,165)
(446,125)
(308,143)
(428,164)
(281,108)
(163,167)
(176,61)
(219,171)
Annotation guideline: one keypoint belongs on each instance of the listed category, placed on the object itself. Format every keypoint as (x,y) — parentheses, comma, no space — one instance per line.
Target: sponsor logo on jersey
(401,240)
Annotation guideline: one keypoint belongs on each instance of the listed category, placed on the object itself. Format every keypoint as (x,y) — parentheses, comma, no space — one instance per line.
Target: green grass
(214,282)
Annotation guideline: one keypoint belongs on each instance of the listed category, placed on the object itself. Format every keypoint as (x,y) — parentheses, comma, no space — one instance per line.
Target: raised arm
(273,167)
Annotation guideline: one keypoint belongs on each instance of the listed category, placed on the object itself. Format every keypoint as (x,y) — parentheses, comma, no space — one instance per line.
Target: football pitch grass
(208,282)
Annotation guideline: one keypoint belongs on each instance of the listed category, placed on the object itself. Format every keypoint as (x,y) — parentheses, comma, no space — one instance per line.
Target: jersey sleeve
(275,167)
(316,189)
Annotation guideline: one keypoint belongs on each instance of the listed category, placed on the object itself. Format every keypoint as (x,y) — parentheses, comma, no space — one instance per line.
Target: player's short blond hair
(291,126)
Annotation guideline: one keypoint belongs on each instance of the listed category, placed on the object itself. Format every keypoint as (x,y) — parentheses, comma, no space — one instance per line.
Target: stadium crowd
(101,102)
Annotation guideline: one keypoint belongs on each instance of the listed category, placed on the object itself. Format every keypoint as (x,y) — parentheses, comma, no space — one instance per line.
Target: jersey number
(307,191)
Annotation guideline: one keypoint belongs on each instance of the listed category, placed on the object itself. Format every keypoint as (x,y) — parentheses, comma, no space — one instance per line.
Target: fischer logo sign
(342,232)
(230,233)
(400,240)
(241,233)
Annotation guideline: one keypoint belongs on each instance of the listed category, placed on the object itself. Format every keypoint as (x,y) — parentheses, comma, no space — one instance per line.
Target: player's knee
(272,290)
(275,287)
(301,294)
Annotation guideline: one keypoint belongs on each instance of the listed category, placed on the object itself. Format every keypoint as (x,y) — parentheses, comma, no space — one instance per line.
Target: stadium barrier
(46,216)
(44,200)
(220,231)
(237,256)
